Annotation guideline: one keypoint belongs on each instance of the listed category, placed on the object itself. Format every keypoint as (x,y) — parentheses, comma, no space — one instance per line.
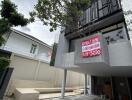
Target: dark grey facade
(111,20)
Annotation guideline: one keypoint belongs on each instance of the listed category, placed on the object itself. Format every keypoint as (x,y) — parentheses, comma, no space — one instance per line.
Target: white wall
(30,73)
(18,44)
(43,53)
(22,45)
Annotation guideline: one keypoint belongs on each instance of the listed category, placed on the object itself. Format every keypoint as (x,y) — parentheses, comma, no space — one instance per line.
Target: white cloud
(37,29)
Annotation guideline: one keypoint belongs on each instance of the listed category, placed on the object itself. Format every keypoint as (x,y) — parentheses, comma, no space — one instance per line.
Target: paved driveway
(80,98)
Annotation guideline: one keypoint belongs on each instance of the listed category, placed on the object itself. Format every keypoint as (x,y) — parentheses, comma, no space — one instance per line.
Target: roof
(31,37)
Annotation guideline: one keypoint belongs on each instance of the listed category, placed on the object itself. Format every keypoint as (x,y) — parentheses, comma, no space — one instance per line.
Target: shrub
(4,62)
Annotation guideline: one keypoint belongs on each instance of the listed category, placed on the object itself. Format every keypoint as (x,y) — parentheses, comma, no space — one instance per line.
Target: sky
(36,29)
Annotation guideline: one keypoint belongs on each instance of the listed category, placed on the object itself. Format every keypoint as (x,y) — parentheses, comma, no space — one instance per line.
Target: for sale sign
(91,47)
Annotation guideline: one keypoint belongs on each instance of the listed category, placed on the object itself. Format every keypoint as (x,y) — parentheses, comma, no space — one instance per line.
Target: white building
(27,45)
(30,60)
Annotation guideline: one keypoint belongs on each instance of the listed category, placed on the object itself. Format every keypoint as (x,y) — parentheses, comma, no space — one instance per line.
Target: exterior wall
(68,60)
(115,55)
(116,34)
(110,52)
(18,44)
(120,54)
(22,45)
(44,53)
(30,73)
(63,47)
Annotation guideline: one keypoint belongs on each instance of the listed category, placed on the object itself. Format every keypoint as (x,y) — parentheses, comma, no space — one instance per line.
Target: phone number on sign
(91,53)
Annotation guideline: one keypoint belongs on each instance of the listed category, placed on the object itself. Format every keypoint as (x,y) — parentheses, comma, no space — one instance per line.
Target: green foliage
(3,26)
(9,13)
(52,62)
(3,29)
(7,9)
(2,40)
(9,17)
(59,12)
(17,19)
(4,62)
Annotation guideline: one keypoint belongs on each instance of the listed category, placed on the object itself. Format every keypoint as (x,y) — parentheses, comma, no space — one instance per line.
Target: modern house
(101,48)
(24,44)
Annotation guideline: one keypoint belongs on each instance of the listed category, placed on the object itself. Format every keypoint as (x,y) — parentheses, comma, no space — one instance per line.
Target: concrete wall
(44,53)
(62,48)
(120,54)
(30,73)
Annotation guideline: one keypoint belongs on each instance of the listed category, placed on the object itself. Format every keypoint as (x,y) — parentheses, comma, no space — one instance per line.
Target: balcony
(99,9)
(68,60)
(98,16)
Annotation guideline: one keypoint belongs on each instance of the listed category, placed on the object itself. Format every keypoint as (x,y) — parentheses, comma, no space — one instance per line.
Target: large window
(72,45)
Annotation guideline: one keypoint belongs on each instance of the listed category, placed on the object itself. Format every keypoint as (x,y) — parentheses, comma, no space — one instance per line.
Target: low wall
(33,73)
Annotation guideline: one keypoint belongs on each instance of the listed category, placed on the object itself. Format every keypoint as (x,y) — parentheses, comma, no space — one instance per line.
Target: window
(107,6)
(99,9)
(72,45)
(33,48)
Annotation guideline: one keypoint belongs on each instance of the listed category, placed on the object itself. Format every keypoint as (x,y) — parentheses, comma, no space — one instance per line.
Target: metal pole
(63,84)
(85,87)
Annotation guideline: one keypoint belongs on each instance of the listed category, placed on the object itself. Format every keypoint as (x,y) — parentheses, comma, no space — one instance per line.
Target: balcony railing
(68,60)
(99,9)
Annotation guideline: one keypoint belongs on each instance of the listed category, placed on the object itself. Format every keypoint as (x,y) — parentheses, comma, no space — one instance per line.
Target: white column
(37,70)
(63,84)
(86,83)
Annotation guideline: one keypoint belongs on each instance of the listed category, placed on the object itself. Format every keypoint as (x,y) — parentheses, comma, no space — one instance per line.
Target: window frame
(97,10)
(33,48)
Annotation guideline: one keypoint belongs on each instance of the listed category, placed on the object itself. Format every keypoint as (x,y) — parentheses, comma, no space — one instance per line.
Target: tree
(9,17)
(52,61)
(65,13)
(128,18)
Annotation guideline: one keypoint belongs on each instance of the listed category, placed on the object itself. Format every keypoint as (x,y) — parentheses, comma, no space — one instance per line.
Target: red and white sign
(91,47)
